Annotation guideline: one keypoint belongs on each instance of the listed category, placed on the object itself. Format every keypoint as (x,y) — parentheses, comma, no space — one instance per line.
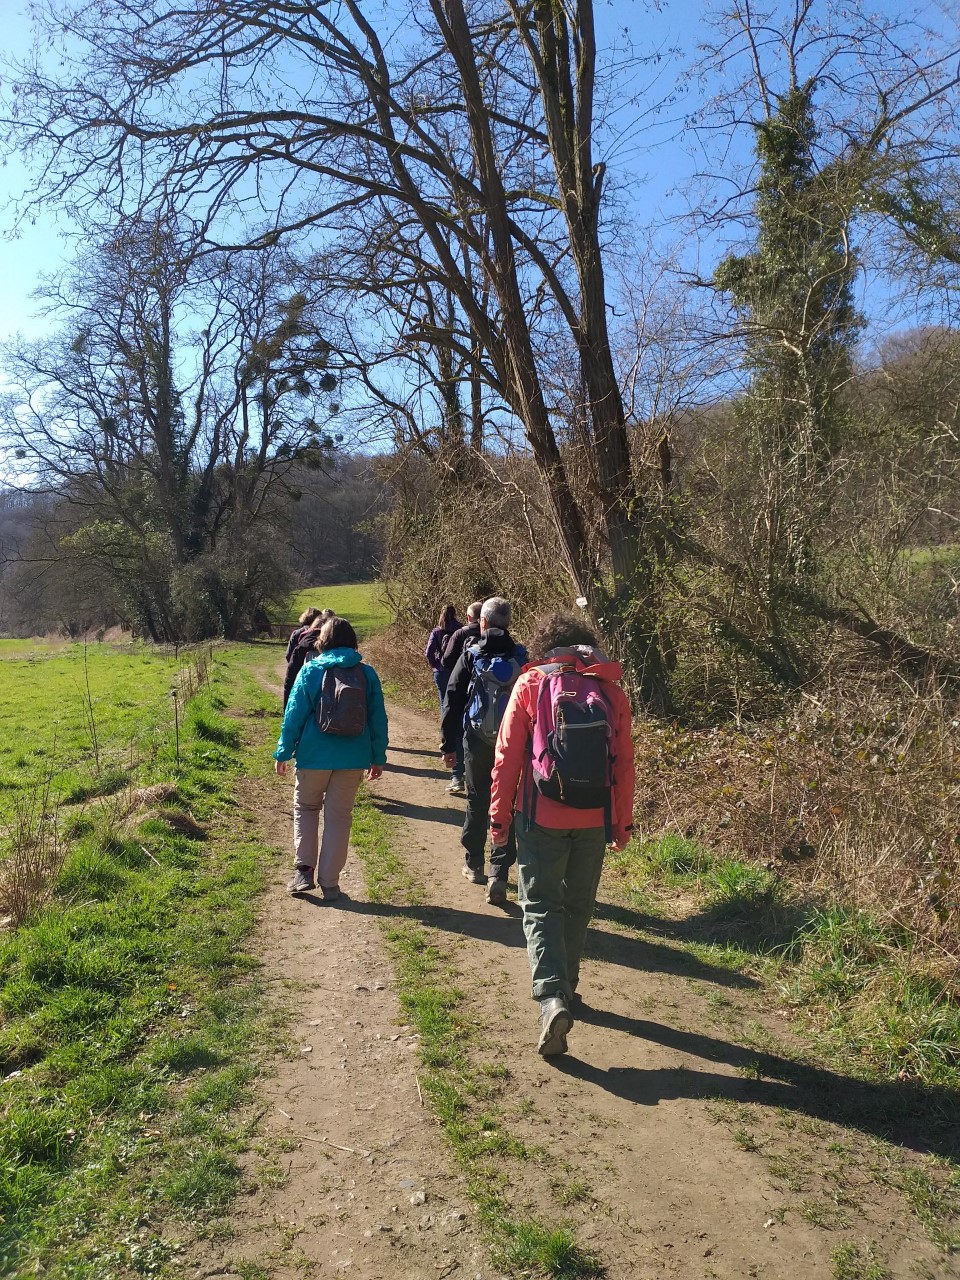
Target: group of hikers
(538,740)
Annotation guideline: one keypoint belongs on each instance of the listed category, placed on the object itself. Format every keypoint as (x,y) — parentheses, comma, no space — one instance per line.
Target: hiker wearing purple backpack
(564,763)
(476,697)
(335,725)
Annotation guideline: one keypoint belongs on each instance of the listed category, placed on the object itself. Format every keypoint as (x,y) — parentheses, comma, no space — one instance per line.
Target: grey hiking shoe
(497,892)
(302,881)
(457,787)
(555,1022)
(474,874)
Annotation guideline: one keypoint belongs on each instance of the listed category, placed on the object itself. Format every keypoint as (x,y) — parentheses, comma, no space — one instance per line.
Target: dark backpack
(571,756)
(342,706)
(494,676)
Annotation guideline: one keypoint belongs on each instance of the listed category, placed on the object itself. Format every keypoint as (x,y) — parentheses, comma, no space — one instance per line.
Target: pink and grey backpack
(571,749)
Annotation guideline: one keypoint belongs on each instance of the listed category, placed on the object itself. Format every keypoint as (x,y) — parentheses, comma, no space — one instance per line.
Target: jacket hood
(494,641)
(586,659)
(306,640)
(337,658)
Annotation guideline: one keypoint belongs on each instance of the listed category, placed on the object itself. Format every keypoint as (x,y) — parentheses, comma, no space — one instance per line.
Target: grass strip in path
(458,1088)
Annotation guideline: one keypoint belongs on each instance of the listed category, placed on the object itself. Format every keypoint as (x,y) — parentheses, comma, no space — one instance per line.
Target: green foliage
(886,1009)
(673,859)
(793,296)
(43,709)
(734,885)
(207,725)
(794,290)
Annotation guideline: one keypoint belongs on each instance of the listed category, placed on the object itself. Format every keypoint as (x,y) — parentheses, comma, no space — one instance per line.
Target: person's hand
(374,772)
(619,844)
(280,766)
(499,838)
(449,759)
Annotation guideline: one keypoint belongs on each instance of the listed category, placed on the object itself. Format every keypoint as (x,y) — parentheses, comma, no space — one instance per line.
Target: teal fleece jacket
(300,736)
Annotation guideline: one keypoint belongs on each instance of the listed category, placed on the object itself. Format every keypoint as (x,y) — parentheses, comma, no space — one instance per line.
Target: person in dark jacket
(495,641)
(303,650)
(447,626)
(456,643)
(306,619)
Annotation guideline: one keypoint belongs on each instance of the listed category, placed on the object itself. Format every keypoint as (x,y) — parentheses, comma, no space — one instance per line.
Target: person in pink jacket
(560,847)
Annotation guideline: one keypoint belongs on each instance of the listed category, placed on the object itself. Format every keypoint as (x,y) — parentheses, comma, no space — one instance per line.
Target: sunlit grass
(361,603)
(128,1004)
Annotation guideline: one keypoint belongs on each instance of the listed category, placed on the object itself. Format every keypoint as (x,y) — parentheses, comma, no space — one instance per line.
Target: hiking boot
(473,874)
(457,787)
(555,1022)
(302,881)
(331,892)
(497,892)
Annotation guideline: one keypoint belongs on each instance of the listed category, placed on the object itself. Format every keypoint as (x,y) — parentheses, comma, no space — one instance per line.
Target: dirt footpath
(694,1155)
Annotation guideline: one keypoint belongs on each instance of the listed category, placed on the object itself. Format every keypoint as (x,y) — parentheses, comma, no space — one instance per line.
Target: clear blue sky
(672,24)
(44,247)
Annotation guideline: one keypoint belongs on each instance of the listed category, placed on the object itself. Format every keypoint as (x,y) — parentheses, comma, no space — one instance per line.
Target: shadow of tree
(919,1117)
(505,928)
(756,925)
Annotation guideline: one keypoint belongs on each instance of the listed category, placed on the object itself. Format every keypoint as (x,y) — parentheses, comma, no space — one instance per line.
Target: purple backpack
(571,757)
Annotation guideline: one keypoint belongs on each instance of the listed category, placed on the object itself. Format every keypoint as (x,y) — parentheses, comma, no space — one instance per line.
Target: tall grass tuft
(36,853)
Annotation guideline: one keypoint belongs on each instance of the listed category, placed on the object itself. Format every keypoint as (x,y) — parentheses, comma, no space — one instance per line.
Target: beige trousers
(333,791)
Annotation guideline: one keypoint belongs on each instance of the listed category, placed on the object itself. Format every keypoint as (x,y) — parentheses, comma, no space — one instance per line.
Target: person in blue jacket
(329,766)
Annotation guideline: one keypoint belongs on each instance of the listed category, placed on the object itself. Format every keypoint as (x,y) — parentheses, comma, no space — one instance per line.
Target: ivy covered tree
(792,294)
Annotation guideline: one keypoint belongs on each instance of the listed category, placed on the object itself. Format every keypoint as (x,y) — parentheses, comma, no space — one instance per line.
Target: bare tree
(165,417)
(479,128)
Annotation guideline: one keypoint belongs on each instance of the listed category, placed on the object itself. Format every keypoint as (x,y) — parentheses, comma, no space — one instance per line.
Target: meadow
(83,718)
(361,603)
(128,1006)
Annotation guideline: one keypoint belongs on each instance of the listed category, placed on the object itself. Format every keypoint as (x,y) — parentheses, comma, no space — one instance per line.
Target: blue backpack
(494,676)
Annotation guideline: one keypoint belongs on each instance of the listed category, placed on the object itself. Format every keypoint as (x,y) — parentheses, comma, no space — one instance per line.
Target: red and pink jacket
(512,752)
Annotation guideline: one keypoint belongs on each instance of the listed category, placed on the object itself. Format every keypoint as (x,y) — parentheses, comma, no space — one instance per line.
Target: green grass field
(129,1009)
(361,603)
(17,648)
(87,719)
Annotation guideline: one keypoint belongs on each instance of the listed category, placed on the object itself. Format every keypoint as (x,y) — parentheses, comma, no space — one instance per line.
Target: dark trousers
(557,887)
(441,679)
(478,766)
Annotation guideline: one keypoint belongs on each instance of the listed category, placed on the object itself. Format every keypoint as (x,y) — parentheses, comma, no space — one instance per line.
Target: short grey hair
(496,612)
(473,610)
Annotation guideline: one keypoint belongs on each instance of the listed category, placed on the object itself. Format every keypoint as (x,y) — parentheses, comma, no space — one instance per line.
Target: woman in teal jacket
(329,765)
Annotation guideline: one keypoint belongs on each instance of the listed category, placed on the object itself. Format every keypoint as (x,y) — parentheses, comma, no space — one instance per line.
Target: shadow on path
(505,927)
(425,813)
(442,775)
(919,1117)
